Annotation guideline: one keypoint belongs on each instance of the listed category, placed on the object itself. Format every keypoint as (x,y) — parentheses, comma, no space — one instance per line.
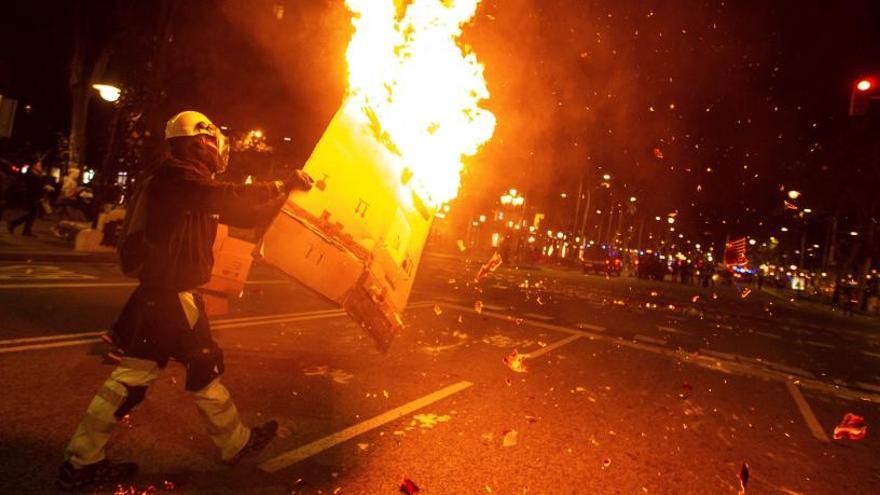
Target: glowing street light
(108,92)
(632,199)
(864,85)
(670,220)
(794,194)
(853,233)
(606,177)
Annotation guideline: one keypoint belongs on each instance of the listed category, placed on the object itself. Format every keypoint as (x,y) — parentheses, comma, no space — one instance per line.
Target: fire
(418,88)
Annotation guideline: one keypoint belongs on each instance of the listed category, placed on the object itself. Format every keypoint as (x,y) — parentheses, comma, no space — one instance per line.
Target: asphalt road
(630,387)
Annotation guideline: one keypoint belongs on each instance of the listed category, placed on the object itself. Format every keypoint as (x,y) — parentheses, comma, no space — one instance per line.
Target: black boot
(71,478)
(260,437)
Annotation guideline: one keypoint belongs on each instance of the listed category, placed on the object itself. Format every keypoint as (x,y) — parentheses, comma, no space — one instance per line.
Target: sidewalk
(44,247)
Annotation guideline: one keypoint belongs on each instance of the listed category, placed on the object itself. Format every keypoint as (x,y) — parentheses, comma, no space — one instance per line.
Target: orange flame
(418,87)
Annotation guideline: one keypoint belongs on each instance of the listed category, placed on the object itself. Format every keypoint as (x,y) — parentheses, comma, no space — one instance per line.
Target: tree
(87,66)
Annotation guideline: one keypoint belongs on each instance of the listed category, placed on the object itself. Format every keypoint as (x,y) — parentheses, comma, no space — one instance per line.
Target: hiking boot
(71,478)
(260,437)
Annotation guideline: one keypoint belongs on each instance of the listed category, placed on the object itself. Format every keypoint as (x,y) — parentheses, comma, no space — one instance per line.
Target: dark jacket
(184,204)
(32,188)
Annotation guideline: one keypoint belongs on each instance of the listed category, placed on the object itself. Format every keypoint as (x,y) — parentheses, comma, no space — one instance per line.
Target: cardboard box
(357,236)
(232,263)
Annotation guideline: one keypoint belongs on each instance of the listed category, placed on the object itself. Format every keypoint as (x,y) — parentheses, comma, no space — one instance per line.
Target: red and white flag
(735,253)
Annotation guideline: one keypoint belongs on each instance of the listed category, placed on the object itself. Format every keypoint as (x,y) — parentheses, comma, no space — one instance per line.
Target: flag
(735,253)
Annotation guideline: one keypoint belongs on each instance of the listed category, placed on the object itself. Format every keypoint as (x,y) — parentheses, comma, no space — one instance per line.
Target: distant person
(32,196)
(170,229)
(67,198)
(4,187)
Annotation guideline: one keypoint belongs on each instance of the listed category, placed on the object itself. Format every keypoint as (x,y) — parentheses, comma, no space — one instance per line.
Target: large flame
(420,89)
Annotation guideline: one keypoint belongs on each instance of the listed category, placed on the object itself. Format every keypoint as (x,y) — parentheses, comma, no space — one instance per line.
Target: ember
(516,362)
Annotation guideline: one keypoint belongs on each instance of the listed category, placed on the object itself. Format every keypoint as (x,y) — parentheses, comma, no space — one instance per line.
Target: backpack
(134,247)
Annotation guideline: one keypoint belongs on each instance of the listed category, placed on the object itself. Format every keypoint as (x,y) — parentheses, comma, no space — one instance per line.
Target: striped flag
(735,253)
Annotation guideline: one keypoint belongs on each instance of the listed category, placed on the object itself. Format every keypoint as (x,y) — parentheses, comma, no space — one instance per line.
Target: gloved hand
(299,180)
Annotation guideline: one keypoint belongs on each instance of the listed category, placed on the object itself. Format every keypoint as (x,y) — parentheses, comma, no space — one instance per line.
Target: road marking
(40,272)
(46,338)
(540,317)
(587,326)
(818,344)
(652,340)
(722,355)
(250,321)
(726,363)
(313,448)
(872,354)
(769,335)
(94,285)
(553,346)
(49,345)
(869,386)
(494,308)
(807,412)
(669,329)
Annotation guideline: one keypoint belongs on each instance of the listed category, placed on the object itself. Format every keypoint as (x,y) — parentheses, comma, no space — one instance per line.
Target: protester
(33,194)
(170,227)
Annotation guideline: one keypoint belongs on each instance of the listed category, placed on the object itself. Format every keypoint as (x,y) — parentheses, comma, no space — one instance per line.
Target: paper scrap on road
(408,486)
(852,427)
(338,376)
(429,420)
(510,438)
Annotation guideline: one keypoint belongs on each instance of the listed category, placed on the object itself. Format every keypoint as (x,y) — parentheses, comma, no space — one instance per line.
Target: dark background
(756,92)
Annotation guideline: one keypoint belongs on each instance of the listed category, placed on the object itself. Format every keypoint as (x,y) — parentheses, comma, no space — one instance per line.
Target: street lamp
(108,92)
(794,194)
(606,177)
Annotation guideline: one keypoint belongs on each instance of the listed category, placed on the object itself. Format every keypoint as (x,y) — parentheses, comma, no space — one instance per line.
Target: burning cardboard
(357,237)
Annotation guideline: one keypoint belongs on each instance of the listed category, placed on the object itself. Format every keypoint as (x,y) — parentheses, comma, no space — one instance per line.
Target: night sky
(707,108)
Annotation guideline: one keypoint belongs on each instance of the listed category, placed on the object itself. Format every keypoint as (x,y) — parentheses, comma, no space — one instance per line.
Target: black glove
(299,180)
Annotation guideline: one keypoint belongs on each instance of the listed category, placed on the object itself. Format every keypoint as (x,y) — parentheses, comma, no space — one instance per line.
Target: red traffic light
(864,85)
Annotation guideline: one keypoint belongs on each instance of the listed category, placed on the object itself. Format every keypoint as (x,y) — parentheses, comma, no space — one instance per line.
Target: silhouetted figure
(33,193)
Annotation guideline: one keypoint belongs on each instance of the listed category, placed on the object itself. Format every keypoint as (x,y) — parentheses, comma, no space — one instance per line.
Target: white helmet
(192,123)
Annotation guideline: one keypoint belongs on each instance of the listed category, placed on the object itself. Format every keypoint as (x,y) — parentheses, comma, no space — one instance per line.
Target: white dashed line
(650,340)
(669,329)
(768,335)
(537,316)
(819,344)
(311,449)
(807,412)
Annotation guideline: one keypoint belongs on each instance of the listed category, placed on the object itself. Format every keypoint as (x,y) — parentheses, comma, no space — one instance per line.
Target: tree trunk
(82,76)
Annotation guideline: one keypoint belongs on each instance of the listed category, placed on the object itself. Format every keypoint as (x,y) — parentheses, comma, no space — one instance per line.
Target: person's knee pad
(133,397)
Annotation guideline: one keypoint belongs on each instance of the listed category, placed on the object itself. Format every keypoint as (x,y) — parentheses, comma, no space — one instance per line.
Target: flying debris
(488,267)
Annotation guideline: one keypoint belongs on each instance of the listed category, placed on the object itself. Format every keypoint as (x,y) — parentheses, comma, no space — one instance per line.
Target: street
(629,386)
